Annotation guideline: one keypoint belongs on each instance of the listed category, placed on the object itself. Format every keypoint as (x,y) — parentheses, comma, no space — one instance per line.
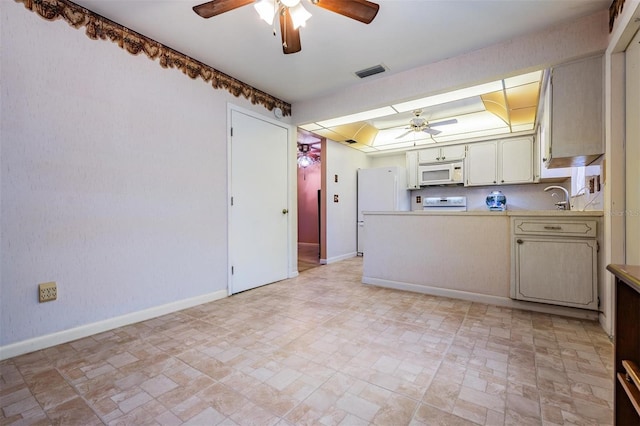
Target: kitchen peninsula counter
(463,255)
(545,213)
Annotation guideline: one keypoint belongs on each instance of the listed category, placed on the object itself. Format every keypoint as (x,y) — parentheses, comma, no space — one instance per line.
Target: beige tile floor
(322,349)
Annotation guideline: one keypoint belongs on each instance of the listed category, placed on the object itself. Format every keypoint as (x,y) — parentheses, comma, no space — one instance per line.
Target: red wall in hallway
(309,181)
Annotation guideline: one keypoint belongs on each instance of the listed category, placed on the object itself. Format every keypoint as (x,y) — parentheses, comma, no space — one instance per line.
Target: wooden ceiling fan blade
(216,7)
(360,10)
(290,35)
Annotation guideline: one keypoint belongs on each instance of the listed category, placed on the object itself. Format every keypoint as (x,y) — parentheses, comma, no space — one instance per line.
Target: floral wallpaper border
(614,10)
(98,27)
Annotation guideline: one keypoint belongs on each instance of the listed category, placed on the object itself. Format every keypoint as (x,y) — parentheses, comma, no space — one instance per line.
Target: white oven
(445,204)
(441,173)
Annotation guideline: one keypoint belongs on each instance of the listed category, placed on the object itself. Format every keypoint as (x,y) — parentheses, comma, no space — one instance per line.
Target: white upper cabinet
(412,170)
(445,153)
(515,160)
(482,163)
(506,161)
(543,146)
(577,118)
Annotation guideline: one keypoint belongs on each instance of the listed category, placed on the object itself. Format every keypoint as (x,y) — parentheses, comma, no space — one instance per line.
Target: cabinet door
(560,271)
(516,160)
(430,155)
(481,163)
(412,170)
(451,153)
(577,131)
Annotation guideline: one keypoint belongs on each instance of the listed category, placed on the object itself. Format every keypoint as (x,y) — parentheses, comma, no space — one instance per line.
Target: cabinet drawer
(569,228)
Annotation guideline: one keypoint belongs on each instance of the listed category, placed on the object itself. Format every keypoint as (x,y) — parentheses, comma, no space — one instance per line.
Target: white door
(258,214)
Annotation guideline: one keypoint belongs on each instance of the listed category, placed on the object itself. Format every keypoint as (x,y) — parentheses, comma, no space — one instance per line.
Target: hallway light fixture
(306,157)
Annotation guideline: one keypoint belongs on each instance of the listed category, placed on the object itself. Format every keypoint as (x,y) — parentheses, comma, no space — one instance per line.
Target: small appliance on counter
(445,204)
(496,201)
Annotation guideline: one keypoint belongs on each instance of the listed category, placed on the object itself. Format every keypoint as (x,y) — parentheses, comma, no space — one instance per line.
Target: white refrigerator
(381,189)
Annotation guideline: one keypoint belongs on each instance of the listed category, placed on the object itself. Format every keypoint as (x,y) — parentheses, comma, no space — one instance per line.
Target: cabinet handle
(437,158)
(494,181)
(519,241)
(553,228)
(502,181)
(443,158)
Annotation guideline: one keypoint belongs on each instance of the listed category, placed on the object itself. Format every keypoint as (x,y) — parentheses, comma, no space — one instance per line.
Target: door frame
(292,221)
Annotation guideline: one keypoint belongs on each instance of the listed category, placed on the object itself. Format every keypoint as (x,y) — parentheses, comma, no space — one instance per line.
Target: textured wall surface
(113,180)
(342,216)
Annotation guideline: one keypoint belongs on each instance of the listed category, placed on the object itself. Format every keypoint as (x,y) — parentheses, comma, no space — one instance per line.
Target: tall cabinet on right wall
(577,113)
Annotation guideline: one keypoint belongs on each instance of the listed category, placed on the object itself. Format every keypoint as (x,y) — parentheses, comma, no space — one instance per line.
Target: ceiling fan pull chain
(275,12)
(284,38)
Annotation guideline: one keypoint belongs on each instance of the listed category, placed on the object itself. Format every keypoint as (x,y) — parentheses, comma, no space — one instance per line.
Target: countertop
(546,213)
(630,274)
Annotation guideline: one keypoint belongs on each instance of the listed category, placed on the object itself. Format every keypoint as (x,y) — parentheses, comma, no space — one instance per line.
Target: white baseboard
(41,342)
(484,298)
(337,258)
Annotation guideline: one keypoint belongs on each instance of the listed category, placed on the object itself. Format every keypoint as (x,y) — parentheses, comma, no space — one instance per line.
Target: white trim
(484,298)
(71,334)
(338,258)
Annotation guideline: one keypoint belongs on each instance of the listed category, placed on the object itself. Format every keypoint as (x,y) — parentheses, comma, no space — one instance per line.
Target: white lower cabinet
(554,261)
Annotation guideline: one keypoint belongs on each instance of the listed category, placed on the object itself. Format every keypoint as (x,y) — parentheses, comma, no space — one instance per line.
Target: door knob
(285,211)
(519,241)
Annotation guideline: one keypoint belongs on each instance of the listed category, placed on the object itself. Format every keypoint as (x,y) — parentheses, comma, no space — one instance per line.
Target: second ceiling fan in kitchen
(420,124)
(292,14)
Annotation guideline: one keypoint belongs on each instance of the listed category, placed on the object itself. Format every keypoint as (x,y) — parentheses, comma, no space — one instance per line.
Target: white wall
(342,216)
(388,160)
(113,180)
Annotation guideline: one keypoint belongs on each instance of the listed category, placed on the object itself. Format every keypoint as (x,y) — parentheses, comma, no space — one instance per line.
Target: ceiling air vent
(370,71)
(351,141)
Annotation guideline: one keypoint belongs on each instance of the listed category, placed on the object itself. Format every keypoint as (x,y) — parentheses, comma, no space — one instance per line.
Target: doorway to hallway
(309,201)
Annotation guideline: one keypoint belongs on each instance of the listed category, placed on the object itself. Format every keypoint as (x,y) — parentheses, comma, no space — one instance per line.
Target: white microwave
(441,173)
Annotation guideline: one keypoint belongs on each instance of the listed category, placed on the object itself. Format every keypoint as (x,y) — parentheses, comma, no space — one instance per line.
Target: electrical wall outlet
(47,292)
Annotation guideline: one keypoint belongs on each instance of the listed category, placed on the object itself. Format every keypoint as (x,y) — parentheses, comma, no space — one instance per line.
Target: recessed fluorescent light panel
(361,116)
(449,96)
(310,127)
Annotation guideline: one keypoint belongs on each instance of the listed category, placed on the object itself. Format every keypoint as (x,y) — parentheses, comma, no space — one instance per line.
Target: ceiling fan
(291,14)
(308,154)
(419,124)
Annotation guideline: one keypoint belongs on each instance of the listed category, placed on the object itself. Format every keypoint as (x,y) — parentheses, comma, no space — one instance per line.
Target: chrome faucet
(564,204)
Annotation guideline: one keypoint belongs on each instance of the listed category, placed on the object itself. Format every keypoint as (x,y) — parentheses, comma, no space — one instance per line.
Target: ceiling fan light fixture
(266,9)
(290,3)
(299,15)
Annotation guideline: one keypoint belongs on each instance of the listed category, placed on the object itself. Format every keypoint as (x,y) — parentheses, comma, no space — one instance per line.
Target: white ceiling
(405,34)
